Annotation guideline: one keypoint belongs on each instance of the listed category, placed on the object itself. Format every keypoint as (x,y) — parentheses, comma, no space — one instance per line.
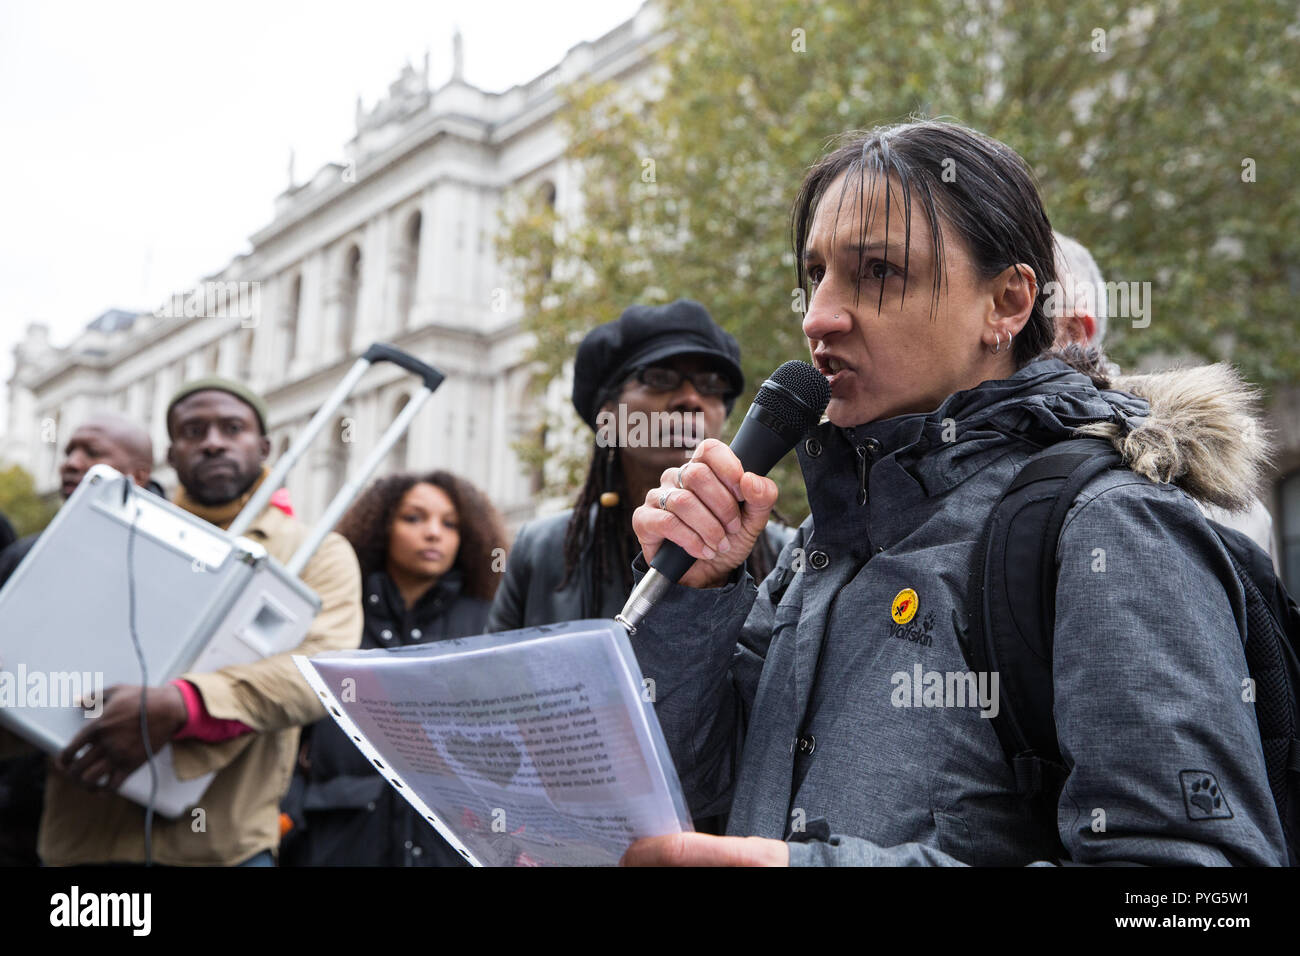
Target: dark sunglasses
(659,378)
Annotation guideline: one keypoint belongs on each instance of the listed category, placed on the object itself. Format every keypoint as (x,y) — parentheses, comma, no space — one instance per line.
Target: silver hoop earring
(998,349)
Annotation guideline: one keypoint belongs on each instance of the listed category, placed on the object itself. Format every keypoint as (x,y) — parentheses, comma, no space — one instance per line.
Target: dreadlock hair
(607,535)
(609,530)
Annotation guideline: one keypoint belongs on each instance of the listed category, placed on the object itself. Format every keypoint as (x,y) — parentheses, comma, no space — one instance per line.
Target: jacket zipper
(863,467)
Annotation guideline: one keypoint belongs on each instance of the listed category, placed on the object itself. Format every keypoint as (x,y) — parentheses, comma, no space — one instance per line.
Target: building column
(372,316)
(314,313)
(435,243)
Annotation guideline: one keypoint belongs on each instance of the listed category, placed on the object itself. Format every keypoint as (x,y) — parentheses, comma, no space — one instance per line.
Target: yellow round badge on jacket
(904,607)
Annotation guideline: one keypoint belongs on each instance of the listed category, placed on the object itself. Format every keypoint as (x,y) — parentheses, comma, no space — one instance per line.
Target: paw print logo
(1202,797)
(1205,795)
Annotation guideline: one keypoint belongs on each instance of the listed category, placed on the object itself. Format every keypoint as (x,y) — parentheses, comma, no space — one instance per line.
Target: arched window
(349,295)
(1288,535)
(408,268)
(290,322)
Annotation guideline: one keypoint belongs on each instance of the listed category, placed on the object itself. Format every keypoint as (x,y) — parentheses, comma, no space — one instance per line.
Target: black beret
(643,335)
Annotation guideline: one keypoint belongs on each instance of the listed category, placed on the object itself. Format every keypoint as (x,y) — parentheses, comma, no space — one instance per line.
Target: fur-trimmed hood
(1202,433)
(1197,428)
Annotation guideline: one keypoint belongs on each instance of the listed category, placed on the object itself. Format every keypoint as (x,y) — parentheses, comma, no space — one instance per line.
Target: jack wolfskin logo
(904,607)
(914,633)
(1202,796)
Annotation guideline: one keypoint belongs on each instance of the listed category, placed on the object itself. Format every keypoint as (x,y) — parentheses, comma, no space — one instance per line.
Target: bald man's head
(1082,318)
(111,440)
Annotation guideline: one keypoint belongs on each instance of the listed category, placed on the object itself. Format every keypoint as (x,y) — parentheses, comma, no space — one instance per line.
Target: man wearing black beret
(651,385)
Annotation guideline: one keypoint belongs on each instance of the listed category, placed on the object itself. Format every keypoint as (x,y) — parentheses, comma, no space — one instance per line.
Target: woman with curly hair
(427,546)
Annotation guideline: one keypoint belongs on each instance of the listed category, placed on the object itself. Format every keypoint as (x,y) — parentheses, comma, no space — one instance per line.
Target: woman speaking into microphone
(829,709)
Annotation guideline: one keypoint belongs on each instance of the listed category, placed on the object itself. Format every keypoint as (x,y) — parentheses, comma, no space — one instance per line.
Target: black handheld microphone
(786,406)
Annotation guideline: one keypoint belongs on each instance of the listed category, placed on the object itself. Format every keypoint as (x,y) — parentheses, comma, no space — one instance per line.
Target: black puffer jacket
(344,813)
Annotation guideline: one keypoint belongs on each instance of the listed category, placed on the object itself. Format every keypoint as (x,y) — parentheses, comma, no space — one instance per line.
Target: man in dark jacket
(651,385)
(103,439)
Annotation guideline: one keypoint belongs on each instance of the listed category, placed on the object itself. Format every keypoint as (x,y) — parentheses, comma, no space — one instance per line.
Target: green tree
(20,503)
(1163,136)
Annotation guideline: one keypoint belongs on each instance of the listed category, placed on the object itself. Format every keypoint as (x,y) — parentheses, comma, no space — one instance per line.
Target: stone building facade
(393,244)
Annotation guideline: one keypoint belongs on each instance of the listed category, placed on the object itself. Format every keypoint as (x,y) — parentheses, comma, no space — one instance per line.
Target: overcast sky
(142,143)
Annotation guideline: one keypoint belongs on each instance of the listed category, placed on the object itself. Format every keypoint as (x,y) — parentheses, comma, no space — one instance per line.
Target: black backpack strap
(1272,630)
(1012,610)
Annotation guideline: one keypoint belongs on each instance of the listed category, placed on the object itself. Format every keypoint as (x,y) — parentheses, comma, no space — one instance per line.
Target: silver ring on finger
(663,498)
(680,471)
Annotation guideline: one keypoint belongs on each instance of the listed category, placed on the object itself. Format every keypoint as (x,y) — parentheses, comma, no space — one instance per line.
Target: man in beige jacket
(242,721)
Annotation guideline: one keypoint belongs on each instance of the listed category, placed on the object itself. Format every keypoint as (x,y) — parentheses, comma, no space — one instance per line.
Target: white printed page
(534,748)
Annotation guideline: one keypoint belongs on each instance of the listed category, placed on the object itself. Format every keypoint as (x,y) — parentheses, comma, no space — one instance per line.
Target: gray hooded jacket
(830,707)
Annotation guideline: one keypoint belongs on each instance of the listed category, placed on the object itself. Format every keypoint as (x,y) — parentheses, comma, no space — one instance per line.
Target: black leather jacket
(344,813)
(528,594)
